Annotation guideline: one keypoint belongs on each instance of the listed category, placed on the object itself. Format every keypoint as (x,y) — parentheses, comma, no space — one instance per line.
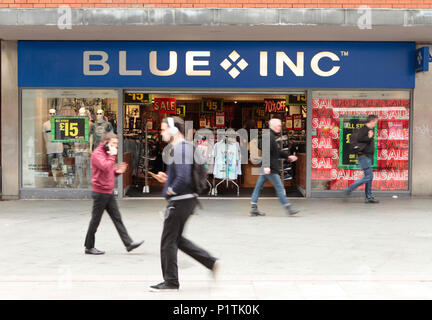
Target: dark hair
(371,117)
(178,123)
(109,135)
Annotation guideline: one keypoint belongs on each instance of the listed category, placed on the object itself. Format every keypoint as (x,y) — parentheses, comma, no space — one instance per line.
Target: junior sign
(216,64)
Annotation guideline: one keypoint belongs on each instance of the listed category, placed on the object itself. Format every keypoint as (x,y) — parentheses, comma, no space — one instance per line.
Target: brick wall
(399,4)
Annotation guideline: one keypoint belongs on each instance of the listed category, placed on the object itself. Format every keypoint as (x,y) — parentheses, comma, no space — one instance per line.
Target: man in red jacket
(104,172)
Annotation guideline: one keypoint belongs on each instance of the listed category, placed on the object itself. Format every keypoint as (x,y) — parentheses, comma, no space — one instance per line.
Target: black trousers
(102,202)
(176,216)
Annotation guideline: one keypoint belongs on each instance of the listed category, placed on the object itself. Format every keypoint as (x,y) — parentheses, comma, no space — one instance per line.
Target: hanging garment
(206,151)
(227,156)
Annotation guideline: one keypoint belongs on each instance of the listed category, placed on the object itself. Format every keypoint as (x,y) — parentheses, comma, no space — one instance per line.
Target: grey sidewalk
(332,250)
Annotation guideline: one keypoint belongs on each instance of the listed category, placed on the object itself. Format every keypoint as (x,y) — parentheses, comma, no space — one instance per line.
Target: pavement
(333,249)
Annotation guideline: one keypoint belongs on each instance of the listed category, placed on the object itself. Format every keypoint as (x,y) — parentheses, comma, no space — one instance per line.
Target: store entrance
(229,176)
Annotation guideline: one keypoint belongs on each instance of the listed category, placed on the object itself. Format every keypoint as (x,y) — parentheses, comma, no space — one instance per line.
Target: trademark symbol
(344,53)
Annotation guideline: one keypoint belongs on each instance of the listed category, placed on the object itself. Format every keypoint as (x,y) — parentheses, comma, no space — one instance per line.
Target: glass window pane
(47,163)
(336,115)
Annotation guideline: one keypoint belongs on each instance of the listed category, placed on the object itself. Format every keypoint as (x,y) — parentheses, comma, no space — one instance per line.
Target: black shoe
(292,210)
(94,251)
(371,200)
(255,212)
(164,287)
(134,245)
(347,193)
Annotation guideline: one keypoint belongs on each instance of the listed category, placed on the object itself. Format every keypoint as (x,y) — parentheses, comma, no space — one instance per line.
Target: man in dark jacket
(181,204)
(272,173)
(104,172)
(365,137)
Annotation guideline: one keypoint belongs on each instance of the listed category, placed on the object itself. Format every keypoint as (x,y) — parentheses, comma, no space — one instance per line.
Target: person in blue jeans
(366,140)
(272,173)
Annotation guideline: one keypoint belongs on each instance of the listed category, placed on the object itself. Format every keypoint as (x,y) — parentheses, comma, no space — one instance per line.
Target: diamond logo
(231,62)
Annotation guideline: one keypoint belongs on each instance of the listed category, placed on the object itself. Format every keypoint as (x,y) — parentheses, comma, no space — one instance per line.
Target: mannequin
(82,155)
(99,128)
(54,150)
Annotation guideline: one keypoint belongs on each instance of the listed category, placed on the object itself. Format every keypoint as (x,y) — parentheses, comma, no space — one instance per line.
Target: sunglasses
(52,113)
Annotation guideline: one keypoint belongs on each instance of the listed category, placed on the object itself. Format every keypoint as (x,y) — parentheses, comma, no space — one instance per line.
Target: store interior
(229,174)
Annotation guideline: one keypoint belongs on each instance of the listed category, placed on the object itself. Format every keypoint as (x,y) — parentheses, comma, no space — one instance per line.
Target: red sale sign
(392,171)
(165,105)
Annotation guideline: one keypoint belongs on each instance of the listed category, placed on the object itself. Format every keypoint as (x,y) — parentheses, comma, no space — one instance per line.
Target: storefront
(320,90)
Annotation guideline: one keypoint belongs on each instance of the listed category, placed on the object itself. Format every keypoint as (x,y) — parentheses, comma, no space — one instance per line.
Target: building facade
(121,68)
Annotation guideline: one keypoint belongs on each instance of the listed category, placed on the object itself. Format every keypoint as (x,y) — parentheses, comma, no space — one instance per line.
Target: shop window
(336,114)
(62,160)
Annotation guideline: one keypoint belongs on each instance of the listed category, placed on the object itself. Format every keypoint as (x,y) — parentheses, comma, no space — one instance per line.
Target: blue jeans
(276,181)
(366,165)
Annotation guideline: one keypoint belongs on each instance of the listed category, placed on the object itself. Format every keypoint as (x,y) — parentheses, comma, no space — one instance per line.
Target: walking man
(104,172)
(365,139)
(272,173)
(181,204)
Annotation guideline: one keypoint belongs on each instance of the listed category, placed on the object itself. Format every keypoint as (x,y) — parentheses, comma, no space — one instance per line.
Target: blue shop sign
(216,64)
(422,59)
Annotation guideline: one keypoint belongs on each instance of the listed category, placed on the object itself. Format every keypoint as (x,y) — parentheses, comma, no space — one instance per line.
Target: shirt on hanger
(227,157)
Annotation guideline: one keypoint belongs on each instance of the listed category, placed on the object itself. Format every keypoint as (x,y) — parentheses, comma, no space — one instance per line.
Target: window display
(336,114)
(60,128)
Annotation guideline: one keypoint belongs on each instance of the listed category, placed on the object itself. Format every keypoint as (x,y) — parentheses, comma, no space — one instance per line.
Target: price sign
(273,106)
(137,98)
(289,122)
(165,105)
(220,119)
(297,123)
(69,129)
(181,111)
(347,126)
(212,105)
(296,99)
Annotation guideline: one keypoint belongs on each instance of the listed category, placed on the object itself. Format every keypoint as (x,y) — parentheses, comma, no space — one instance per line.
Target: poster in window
(212,105)
(220,119)
(297,122)
(349,125)
(391,172)
(296,99)
(137,98)
(69,129)
(275,106)
(289,122)
(165,105)
(181,111)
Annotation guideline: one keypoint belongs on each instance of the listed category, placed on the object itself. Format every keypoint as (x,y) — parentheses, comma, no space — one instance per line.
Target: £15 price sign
(69,129)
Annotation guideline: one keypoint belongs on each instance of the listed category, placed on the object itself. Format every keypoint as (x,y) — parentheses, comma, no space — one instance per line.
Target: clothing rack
(226,180)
